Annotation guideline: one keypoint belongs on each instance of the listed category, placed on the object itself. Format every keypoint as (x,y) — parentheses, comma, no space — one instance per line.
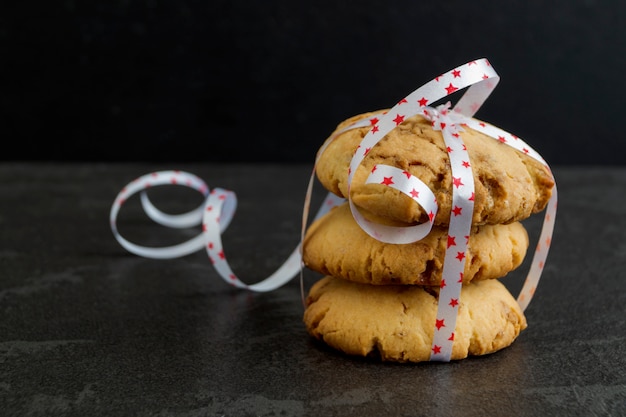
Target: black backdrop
(267,81)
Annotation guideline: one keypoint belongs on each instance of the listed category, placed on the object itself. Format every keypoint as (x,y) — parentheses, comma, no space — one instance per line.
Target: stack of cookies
(380,299)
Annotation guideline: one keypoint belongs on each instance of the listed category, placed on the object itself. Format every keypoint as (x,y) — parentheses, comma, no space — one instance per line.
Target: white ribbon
(219,205)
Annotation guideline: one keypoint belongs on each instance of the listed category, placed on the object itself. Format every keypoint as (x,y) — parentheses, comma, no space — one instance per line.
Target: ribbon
(215,214)
(219,206)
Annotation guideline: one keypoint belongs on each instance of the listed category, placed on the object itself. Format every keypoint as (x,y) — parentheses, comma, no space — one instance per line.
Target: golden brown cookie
(397,322)
(335,245)
(509,185)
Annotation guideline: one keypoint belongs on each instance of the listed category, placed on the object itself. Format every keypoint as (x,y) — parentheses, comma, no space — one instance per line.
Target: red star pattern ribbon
(216,212)
(458,232)
(214,215)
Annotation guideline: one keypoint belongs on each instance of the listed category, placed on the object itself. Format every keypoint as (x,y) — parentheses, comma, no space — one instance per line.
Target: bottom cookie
(396,322)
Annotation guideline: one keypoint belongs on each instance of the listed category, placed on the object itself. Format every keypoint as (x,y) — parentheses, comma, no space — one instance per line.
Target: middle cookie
(336,245)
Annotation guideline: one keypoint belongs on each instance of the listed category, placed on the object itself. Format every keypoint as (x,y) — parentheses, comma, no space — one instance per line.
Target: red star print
(367,150)
(442,125)
(414,193)
(431,216)
(148,185)
(373,120)
(173,181)
(155,174)
(442,284)
(451,338)
(398,119)
(407,174)
(209,208)
(485,76)
(454,302)
(456,73)
(460,255)
(439,324)
(525,150)
(375,129)
(457,210)
(502,139)
(436,349)
(221,255)
(422,102)
(204,228)
(374,169)
(222,196)
(449,149)
(387,181)
(210,245)
(465,164)
(451,89)
(402,101)
(471,62)
(457,182)
(471,197)
(451,241)
(460,278)
(232,277)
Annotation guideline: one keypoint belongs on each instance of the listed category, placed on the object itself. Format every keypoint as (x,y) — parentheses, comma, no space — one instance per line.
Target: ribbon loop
(413,188)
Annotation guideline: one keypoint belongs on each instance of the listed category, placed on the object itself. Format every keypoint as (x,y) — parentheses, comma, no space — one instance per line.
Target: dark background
(267,81)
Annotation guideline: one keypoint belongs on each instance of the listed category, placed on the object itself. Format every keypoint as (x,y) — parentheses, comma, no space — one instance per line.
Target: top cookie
(509,185)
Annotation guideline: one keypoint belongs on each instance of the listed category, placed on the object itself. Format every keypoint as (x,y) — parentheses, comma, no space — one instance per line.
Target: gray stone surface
(87,328)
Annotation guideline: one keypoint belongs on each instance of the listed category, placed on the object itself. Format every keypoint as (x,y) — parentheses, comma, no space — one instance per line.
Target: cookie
(509,185)
(396,322)
(335,245)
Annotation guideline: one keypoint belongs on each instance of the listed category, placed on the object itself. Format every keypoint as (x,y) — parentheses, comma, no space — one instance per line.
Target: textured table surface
(87,328)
